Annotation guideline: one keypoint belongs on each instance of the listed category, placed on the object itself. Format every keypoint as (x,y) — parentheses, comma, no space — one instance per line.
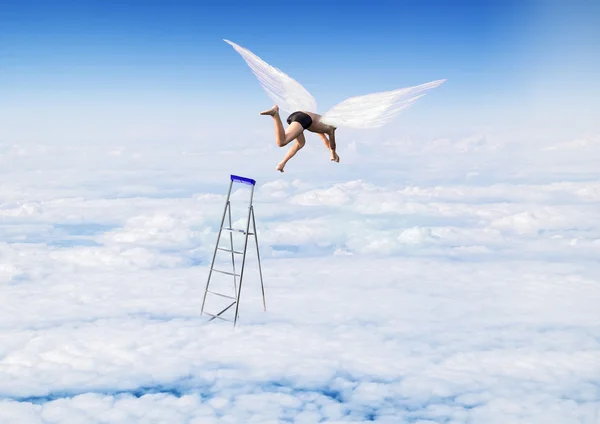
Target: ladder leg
(216,246)
(262,286)
(237,306)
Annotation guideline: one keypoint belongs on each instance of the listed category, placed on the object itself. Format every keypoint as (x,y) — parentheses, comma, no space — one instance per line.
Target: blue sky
(125,45)
(100,62)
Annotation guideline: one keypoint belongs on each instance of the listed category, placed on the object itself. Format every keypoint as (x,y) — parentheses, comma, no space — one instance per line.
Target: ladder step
(226,272)
(220,313)
(216,316)
(229,250)
(236,230)
(222,295)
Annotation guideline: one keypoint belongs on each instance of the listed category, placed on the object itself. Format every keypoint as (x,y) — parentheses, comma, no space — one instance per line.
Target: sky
(134,70)
(444,271)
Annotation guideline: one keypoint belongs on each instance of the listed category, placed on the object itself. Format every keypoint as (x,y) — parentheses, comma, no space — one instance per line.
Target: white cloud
(435,298)
(586,142)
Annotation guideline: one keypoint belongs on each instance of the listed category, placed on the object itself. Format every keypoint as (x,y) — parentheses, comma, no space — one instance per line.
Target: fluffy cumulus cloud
(451,281)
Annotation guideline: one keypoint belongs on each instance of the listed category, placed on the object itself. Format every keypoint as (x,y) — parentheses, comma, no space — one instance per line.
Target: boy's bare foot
(271,112)
(280,167)
(335,157)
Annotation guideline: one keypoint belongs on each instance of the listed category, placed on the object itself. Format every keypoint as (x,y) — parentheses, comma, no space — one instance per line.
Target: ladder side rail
(262,286)
(237,306)
(216,246)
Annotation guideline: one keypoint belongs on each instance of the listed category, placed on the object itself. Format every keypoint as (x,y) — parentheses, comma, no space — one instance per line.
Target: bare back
(317,126)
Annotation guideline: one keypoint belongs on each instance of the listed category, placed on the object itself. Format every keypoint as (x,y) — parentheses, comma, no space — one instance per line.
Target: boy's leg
(325,140)
(282,137)
(334,155)
(300,142)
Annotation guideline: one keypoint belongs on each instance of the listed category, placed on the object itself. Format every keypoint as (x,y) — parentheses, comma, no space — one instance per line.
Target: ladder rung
(229,250)
(217,316)
(236,230)
(226,272)
(222,295)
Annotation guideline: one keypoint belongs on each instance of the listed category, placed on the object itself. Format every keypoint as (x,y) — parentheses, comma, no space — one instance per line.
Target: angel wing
(376,109)
(281,88)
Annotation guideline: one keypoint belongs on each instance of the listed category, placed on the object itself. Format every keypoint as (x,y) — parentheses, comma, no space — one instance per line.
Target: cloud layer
(466,292)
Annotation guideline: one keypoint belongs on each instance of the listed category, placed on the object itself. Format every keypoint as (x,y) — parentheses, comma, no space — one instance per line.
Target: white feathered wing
(376,109)
(281,88)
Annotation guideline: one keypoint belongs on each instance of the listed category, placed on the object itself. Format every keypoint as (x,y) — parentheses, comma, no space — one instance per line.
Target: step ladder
(237,283)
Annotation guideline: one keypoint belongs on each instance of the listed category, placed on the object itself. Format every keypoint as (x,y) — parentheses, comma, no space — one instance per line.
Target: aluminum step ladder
(234,299)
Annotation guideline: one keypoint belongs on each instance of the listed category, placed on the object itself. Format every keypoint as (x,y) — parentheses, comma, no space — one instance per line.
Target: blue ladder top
(243,180)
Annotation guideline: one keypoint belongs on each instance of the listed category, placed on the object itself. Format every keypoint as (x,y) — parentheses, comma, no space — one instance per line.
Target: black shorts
(300,117)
